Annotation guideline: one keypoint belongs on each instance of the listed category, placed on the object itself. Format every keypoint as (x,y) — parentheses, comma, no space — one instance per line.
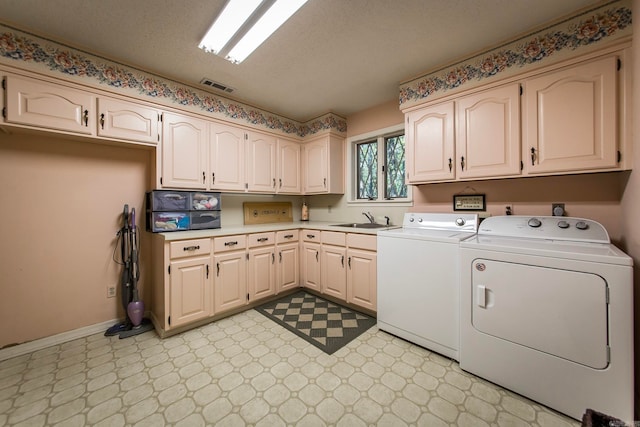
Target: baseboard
(39,344)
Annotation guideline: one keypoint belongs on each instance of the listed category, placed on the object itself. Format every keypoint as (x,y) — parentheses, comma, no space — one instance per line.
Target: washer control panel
(441,221)
(545,227)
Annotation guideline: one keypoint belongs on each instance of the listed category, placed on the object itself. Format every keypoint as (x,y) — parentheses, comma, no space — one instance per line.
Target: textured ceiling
(339,56)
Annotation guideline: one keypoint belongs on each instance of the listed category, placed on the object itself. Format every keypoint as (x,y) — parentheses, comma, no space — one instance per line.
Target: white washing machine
(547,311)
(418,271)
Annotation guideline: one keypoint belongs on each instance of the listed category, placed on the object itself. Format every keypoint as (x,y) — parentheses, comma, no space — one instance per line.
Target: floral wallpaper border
(579,31)
(19,46)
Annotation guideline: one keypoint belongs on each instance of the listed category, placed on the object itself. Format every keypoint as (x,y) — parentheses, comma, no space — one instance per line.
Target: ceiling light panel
(233,16)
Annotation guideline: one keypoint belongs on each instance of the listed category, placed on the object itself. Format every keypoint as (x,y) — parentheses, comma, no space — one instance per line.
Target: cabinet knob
(450,164)
(462,162)
(204,177)
(102,120)
(533,156)
(85,117)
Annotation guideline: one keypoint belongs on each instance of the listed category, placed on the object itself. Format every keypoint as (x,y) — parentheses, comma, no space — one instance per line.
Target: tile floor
(247,370)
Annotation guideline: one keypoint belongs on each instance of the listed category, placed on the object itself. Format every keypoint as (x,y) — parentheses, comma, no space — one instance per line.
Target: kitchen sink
(361,225)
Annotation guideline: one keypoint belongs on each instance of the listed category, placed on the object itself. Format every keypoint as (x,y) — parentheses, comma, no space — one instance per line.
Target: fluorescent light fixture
(253,22)
(234,14)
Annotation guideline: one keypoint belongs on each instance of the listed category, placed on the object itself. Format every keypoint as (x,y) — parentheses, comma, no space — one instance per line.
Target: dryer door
(559,312)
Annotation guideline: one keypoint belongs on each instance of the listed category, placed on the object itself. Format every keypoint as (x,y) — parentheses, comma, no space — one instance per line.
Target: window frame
(352,162)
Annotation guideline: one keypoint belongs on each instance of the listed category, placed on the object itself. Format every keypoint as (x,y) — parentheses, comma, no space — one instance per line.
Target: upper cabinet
(488,133)
(127,120)
(570,120)
(227,157)
(289,173)
(323,165)
(47,105)
(184,145)
(567,120)
(430,144)
(261,162)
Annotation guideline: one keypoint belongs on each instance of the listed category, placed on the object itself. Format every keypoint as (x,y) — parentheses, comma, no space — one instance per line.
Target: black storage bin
(168,201)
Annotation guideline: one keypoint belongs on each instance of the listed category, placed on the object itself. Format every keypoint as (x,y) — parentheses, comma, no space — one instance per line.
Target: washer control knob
(534,222)
(411,219)
(419,219)
(563,224)
(460,222)
(581,225)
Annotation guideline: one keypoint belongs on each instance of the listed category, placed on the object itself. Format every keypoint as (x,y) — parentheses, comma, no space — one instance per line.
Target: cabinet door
(227,157)
(126,120)
(570,120)
(262,273)
(311,266)
(230,282)
(47,105)
(289,176)
(488,133)
(183,152)
(362,278)
(315,167)
(288,267)
(333,276)
(430,144)
(190,290)
(261,162)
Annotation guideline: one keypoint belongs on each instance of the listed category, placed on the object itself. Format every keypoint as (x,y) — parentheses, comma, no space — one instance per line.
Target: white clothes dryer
(547,311)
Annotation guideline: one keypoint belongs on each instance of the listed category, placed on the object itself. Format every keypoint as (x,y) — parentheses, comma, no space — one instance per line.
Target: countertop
(262,228)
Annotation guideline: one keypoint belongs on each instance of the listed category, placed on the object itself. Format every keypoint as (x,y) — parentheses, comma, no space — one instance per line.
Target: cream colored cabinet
(190,282)
(289,173)
(230,281)
(41,104)
(288,260)
(261,162)
(362,268)
(127,120)
(323,165)
(184,147)
(488,133)
(261,267)
(310,257)
(430,154)
(226,157)
(570,120)
(333,277)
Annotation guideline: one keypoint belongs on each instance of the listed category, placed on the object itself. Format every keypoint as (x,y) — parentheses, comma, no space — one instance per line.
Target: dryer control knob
(419,219)
(581,225)
(411,219)
(534,222)
(460,222)
(563,224)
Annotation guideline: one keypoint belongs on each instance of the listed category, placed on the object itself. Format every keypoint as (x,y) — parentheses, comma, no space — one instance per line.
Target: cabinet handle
(349,263)
(273,258)
(280,182)
(207,271)
(462,162)
(263,239)
(204,177)
(342,261)
(533,156)
(325,182)
(213,178)
(102,120)
(231,243)
(450,164)
(316,256)
(280,256)
(289,236)
(218,269)
(274,183)
(310,236)
(86,118)
(191,248)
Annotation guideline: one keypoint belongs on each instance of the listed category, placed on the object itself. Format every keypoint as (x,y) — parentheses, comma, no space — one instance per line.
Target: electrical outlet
(111,292)
(508,209)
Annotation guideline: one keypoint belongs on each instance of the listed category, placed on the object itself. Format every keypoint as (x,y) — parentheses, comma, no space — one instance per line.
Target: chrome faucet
(369,217)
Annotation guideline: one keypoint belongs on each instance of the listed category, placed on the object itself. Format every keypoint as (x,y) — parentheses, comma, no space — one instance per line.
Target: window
(379,168)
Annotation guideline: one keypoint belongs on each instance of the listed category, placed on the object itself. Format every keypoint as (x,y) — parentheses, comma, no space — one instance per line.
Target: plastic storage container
(168,201)
(203,201)
(204,219)
(159,222)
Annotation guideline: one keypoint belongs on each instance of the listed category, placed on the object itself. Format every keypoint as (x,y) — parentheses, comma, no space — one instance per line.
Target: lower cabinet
(332,265)
(362,278)
(190,290)
(288,262)
(230,281)
(262,268)
(310,257)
